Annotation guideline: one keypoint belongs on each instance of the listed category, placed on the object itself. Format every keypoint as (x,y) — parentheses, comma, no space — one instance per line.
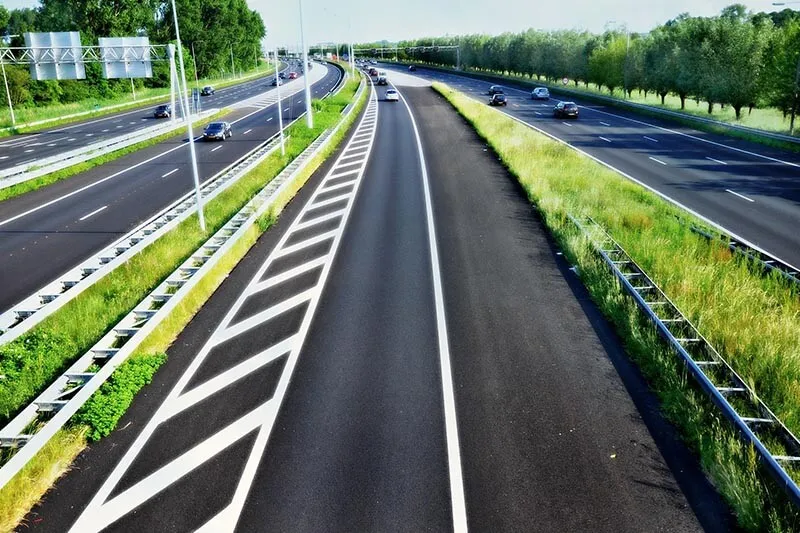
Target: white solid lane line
(173,171)
(84,217)
(650,139)
(716,161)
(215,149)
(457,497)
(739,195)
(606,140)
(657,160)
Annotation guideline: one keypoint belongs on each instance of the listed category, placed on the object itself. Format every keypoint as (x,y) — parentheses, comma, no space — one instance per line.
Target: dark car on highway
(163,111)
(498,99)
(282,75)
(208,90)
(412,68)
(217,131)
(496,89)
(565,110)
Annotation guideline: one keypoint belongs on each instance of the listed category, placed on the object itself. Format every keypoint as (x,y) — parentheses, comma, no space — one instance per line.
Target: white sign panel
(56,55)
(126,57)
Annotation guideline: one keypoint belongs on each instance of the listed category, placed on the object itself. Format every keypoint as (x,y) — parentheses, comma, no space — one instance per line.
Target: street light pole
(194,62)
(309,118)
(280,113)
(193,155)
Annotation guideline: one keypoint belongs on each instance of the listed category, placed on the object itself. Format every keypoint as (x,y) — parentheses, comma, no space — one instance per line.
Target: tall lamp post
(185,96)
(309,118)
(194,62)
(796,80)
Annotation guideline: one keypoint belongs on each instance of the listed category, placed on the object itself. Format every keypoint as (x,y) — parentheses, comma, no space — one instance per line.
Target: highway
(750,189)
(30,147)
(45,232)
(405,350)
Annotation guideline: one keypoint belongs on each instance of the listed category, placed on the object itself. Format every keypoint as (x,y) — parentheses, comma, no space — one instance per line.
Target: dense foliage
(737,58)
(226,34)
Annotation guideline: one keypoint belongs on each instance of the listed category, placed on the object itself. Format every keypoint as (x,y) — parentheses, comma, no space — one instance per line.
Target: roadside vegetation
(41,354)
(240,28)
(749,317)
(741,65)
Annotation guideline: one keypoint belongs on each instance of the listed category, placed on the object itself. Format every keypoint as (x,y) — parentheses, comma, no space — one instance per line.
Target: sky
(371,20)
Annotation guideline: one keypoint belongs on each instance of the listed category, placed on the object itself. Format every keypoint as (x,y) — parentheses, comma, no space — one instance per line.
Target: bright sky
(371,20)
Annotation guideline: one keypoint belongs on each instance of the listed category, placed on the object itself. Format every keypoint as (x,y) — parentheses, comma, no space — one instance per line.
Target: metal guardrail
(609,100)
(762,259)
(30,311)
(737,401)
(28,171)
(33,427)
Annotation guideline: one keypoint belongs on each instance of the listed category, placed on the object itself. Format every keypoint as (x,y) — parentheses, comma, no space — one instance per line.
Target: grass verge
(120,103)
(64,173)
(750,318)
(108,404)
(687,120)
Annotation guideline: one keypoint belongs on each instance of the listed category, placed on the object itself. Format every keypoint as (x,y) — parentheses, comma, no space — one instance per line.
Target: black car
(565,110)
(412,68)
(208,90)
(498,99)
(496,89)
(217,131)
(163,111)
(282,75)
(276,82)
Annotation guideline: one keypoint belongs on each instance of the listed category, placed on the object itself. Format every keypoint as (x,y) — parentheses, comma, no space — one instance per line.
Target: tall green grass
(752,319)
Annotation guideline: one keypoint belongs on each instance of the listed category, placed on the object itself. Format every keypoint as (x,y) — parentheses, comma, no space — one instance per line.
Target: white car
(540,93)
(392,96)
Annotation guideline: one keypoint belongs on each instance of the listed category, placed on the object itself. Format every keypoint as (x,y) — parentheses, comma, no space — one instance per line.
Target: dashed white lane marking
(105,130)
(457,498)
(118,126)
(3,157)
(105,509)
(739,195)
(90,134)
(287,109)
(248,131)
(84,217)
(215,149)
(606,140)
(133,122)
(29,150)
(657,160)
(716,161)
(173,171)
(270,118)
(537,112)
(567,124)
(604,123)
(71,139)
(650,139)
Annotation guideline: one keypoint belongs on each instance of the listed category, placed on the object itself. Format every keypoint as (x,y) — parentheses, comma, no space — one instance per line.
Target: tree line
(737,58)
(226,35)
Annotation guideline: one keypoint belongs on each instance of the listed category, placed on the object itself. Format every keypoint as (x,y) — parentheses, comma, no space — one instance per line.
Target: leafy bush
(106,406)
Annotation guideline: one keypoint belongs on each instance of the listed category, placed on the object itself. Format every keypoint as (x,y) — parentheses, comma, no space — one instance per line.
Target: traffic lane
(36,248)
(611,114)
(71,493)
(23,148)
(557,427)
(686,175)
(762,208)
(359,444)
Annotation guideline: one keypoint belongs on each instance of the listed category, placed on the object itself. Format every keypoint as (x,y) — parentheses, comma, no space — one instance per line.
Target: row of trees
(737,58)
(226,35)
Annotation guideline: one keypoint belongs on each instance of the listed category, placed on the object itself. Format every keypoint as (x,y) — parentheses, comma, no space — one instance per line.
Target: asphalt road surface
(750,189)
(29,147)
(404,351)
(48,231)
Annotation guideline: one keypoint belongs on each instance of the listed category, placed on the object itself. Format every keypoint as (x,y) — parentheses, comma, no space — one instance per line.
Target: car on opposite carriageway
(565,110)
(208,90)
(163,111)
(496,89)
(540,93)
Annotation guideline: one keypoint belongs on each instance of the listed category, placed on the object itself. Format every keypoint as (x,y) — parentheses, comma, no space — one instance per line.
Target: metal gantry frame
(737,401)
